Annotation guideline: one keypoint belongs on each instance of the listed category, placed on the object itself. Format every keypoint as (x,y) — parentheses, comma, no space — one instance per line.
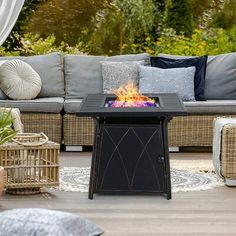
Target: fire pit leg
(94,158)
(167,159)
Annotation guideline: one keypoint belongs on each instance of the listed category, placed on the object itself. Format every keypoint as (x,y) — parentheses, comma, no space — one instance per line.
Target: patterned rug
(193,176)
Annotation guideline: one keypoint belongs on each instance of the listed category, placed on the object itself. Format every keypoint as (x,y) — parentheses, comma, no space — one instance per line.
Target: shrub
(213,42)
(201,42)
(32,44)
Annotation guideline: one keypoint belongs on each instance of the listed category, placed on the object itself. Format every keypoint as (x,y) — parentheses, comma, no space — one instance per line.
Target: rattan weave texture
(30,163)
(228,151)
(78,130)
(48,123)
(191,130)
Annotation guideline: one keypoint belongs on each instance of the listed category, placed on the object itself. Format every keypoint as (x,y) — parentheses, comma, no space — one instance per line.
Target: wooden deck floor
(211,212)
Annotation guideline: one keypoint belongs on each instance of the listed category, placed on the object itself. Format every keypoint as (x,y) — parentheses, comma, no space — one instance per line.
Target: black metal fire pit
(130,153)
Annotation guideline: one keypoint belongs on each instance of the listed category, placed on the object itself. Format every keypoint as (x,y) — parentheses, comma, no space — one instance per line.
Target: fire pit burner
(130,153)
(112,103)
(128,95)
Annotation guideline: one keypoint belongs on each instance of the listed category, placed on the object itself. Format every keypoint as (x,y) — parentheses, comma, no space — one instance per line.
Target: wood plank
(210,212)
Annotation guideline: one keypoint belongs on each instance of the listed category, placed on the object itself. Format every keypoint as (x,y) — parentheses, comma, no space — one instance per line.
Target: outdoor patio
(208,212)
(117,117)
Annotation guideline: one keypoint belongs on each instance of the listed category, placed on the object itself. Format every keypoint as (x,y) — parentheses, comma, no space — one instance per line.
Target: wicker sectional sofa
(67,79)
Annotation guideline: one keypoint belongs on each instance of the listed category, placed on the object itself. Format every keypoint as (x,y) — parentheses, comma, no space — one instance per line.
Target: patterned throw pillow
(43,222)
(176,80)
(19,80)
(116,74)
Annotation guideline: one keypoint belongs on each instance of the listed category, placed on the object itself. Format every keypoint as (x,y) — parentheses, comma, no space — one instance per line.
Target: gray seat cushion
(83,74)
(211,107)
(50,69)
(220,81)
(50,105)
(72,105)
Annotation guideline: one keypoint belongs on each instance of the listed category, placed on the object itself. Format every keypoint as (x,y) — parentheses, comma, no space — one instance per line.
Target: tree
(69,21)
(178,15)
(226,18)
(206,12)
(123,23)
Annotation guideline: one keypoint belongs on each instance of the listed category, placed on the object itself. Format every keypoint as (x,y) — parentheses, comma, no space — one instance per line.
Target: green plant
(121,24)
(215,41)
(6,131)
(178,16)
(33,44)
(69,20)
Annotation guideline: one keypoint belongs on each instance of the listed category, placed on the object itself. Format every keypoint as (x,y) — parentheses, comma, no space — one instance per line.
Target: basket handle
(33,144)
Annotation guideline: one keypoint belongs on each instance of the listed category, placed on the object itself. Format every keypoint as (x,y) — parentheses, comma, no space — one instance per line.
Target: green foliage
(121,24)
(70,21)
(33,44)
(199,43)
(227,17)
(178,16)
(109,27)
(137,15)
(6,132)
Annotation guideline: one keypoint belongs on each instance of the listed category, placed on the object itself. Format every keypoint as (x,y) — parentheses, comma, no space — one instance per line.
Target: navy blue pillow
(199,62)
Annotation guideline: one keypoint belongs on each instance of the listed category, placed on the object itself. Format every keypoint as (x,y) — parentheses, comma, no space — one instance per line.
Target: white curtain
(9,12)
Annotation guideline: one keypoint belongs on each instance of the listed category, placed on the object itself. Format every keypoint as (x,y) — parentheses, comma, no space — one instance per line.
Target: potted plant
(6,134)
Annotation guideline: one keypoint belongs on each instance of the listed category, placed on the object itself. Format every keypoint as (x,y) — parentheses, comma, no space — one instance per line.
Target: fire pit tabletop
(94,105)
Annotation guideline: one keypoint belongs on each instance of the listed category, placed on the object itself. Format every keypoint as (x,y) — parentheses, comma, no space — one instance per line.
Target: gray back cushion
(83,74)
(221,77)
(50,69)
(220,81)
(131,57)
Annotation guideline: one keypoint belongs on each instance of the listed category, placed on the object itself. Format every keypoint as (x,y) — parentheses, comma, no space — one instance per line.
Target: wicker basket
(30,162)
(1,179)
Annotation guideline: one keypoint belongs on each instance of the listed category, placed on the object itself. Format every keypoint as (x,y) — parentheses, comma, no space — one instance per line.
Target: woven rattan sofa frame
(189,131)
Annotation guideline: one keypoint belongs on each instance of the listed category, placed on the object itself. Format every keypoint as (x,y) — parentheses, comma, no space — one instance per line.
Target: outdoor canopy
(9,12)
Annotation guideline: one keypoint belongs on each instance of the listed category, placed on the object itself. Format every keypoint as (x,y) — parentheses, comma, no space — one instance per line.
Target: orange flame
(129,96)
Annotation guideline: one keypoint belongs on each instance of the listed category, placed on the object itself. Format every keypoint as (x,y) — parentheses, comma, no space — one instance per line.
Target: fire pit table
(130,153)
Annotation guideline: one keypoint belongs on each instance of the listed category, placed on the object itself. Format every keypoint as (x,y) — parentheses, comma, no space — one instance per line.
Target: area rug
(200,177)
(202,165)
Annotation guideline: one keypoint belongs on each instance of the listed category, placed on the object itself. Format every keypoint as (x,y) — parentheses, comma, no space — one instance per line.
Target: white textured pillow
(116,74)
(2,62)
(19,80)
(174,80)
(44,222)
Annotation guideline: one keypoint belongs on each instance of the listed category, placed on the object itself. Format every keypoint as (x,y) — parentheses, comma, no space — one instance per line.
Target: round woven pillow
(19,80)
(2,62)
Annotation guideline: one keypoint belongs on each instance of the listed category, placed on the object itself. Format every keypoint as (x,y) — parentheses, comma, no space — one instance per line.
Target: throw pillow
(116,74)
(2,62)
(199,62)
(19,80)
(43,222)
(175,80)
